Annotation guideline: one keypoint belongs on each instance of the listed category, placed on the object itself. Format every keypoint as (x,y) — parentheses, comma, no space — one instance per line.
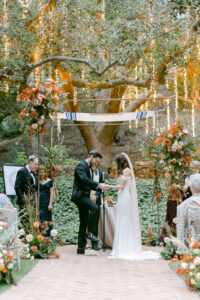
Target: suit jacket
(83,183)
(24,185)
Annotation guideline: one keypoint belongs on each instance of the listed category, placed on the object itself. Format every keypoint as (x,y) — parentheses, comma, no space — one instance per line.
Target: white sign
(10,173)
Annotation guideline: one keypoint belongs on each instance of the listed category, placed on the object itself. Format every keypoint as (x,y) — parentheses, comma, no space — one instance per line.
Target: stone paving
(74,277)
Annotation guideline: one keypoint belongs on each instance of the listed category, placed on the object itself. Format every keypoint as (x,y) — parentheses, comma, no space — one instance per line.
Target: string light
(168,106)
(193,120)
(136,93)
(176,95)
(5,39)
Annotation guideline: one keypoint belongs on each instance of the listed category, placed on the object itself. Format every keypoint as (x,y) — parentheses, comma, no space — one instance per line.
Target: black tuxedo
(24,185)
(83,184)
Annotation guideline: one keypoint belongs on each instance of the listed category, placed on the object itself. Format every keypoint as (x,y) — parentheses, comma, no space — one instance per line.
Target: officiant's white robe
(182,215)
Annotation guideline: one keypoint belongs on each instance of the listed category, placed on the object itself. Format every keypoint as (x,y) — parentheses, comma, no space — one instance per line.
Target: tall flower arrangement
(39,104)
(171,154)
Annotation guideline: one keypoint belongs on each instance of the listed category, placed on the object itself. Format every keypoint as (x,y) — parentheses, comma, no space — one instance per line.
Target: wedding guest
(45,200)
(192,202)
(95,196)
(26,182)
(186,191)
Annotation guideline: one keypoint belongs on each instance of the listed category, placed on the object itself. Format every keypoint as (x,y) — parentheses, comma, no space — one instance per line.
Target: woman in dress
(46,200)
(127,239)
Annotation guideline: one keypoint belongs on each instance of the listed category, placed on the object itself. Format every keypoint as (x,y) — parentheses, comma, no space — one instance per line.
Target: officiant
(26,182)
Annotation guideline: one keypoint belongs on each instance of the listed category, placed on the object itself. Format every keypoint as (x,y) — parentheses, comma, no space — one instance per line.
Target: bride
(127,239)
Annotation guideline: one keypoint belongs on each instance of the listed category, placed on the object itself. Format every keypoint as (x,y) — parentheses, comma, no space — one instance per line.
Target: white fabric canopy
(117,117)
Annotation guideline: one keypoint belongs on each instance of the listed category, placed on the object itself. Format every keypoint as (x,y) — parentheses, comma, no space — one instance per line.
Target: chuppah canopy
(116,117)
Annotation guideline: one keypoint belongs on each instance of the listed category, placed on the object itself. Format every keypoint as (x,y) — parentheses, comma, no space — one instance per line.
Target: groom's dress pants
(88,214)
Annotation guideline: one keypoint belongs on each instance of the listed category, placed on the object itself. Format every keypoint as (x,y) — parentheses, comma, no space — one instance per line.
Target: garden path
(75,277)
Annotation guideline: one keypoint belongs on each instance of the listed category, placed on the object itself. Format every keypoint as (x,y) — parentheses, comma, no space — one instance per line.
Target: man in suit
(26,182)
(88,210)
(95,196)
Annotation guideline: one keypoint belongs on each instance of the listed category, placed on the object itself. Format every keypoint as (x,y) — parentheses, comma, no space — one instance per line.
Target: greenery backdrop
(65,213)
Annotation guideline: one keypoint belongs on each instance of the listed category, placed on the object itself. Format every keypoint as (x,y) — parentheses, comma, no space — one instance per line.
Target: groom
(88,210)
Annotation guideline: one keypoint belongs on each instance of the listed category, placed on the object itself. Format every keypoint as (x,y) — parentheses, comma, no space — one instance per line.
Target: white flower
(1,228)
(1,255)
(21,232)
(185,131)
(175,147)
(166,240)
(1,246)
(40,122)
(28,255)
(35,126)
(198,276)
(175,220)
(26,249)
(184,265)
(161,161)
(192,266)
(1,261)
(32,257)
(197,261)
(54,232)
(10,265)
(181,143)
(29,238)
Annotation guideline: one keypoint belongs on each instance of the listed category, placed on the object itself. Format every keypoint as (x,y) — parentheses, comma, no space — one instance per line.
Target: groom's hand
(93,198)
(103,186)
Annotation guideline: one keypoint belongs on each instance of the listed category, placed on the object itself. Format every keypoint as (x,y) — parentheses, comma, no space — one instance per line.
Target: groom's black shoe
(81,251)
(92,237)
(96,247)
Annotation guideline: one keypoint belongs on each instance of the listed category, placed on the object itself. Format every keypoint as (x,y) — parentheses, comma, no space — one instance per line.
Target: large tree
(106,49)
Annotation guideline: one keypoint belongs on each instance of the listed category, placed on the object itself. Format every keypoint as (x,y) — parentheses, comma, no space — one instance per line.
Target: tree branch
(77,82)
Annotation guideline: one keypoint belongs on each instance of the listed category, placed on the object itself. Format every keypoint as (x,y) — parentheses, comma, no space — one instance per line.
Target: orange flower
(8,261)
(9,254)
(150,232)
(57,255)
(33,114)
(167,174)
(40,238)
(175,258)
(34,248)
(36,224)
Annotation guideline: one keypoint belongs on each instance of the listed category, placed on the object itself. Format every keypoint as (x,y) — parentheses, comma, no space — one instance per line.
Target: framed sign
(9,175)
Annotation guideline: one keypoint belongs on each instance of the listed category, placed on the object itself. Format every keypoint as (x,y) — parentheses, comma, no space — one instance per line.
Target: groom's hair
(95,154)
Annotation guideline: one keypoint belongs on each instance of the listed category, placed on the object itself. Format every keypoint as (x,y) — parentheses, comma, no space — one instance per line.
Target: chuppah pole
(104,222)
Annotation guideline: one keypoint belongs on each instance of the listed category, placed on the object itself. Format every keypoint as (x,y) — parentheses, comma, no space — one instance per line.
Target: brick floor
(74,277)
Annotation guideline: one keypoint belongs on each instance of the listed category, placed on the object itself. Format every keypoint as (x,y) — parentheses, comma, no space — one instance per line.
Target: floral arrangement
(109,201)
(190,265)
(150,238)
(7,263)
(40,104)
(171,153)
(36,245)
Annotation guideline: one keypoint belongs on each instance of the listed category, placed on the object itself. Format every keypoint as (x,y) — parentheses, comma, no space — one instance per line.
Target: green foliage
(169,251)
(10,127)
(66,213)
(21,158)
(17,154)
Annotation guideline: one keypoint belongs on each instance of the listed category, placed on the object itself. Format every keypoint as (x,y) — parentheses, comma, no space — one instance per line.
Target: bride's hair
(122,163)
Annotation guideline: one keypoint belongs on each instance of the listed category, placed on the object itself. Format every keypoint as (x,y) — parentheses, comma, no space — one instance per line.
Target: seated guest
(46,200)
(186,191)
(192,202)
(26,182)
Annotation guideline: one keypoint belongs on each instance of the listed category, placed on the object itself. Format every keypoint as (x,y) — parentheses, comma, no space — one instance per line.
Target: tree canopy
(102,49)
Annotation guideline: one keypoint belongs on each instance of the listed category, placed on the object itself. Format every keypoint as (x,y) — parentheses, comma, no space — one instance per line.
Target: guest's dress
(44,214)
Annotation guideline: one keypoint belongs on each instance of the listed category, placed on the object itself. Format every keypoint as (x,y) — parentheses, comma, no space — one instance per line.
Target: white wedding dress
(127,239)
